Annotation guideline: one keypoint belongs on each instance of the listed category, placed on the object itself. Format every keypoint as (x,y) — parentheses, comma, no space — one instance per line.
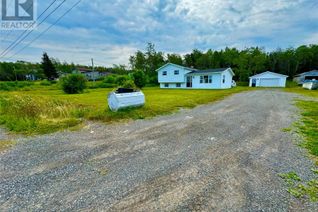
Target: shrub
(140,79)
(153,80)
(242,83)
(120,80)
(73,83)
(291,84)
(45,83)
(129,84)
(109,79)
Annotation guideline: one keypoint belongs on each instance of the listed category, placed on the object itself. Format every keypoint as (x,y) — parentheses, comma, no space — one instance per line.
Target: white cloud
(112,30)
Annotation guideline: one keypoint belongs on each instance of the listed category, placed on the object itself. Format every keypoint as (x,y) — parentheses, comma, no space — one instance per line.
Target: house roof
(268,72)
(196,71)
(190,69)
(83,70)
(309,73)
(217,70)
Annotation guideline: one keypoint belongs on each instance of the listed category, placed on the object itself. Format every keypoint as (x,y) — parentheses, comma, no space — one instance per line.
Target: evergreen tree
(48,67)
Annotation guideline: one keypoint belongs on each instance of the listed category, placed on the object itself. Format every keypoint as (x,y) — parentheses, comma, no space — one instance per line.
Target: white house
(90,74)
(268,79)
(176,76)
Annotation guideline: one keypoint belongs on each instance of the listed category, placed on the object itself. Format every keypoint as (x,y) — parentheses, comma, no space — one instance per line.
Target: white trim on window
(205,79)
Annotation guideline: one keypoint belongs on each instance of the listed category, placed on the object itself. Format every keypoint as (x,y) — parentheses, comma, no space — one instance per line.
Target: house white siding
(179,77)
(170,76)
(228,78)
(216,81)
(268,79)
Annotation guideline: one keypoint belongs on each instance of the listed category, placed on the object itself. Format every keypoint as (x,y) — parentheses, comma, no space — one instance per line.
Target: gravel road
(218,157)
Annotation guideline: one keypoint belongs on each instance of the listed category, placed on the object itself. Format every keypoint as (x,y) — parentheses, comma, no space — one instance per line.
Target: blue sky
(110,31)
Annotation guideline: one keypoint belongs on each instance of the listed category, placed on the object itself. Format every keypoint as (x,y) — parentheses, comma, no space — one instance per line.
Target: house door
(253,82)
(189,82)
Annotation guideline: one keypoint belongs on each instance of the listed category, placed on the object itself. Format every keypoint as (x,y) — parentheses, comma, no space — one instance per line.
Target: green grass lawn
(45,110)
(302,91)
(308,125)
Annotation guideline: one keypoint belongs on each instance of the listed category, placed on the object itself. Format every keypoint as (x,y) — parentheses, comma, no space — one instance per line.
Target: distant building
(268,79)
(307,76)
(31,77)
(91,75)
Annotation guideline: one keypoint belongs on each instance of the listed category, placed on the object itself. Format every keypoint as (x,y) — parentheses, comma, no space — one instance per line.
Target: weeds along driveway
(222,156)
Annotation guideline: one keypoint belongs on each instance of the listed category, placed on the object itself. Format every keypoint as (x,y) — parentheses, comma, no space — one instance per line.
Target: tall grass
(13,86)
(37,115)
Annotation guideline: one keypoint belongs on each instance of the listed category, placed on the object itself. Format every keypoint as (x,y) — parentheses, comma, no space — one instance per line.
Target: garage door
(269,82)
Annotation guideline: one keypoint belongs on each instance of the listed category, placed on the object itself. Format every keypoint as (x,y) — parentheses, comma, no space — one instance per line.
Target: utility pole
(93,71)
(15,73)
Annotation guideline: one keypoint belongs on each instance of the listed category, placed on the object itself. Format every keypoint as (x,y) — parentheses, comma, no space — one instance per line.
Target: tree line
(49,68)
(245,62)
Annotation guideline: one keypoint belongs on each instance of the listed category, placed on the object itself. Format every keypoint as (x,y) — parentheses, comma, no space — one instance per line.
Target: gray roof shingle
(208,71)
(309,73)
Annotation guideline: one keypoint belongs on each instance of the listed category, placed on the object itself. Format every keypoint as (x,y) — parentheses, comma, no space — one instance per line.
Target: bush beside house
(73,83)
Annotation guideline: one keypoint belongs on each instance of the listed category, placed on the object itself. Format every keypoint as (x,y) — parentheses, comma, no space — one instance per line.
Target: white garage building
(268,79)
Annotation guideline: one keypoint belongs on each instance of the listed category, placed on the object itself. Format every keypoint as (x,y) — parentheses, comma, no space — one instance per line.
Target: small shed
(268,79)
(307,76)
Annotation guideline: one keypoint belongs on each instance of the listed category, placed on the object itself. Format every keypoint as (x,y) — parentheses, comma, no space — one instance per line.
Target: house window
(166,85)
(176,72)
(223,79)
(164,73)
(178,85)
(205,79)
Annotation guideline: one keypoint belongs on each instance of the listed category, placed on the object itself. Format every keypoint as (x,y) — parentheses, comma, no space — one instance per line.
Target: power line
(47,29)
(27,28)
(12,46)
(18,41)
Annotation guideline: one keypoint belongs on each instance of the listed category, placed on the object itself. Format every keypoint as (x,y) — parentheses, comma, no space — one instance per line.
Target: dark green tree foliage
(73,83)
(148,62)
(120,80)
(19,70)
(174,58)
(48,67)
(140,79)
(244,63)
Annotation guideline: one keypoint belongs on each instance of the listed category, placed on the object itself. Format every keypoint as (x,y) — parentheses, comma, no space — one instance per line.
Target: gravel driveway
(219,157)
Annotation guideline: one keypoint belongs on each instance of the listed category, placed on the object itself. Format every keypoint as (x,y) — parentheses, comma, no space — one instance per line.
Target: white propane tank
(124,98)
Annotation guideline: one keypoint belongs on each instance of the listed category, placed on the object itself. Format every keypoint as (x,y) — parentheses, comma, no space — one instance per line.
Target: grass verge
(302,91)
(308,126)
(300,189)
